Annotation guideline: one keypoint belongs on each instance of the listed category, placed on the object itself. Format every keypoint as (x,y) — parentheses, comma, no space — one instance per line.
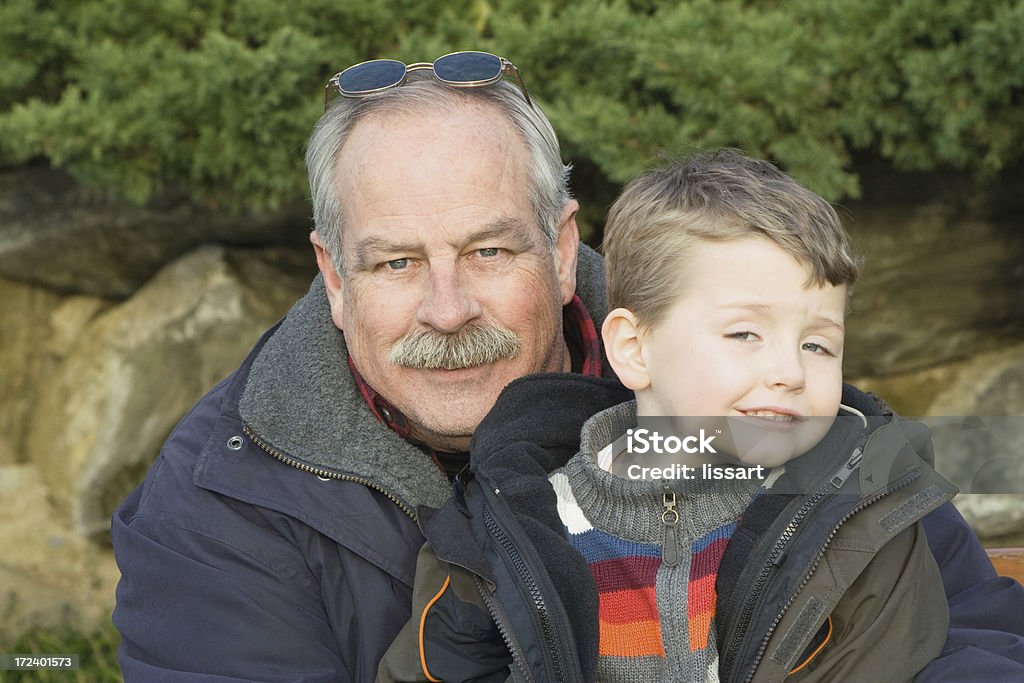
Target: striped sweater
(654,549)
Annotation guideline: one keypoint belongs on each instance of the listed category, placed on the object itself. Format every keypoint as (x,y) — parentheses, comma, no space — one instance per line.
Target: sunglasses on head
(458,69)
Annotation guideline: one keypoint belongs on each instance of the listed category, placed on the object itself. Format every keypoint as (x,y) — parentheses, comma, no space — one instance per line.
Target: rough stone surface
(37,328)
(65,237)
(137,368)
(944,272)
(50,577)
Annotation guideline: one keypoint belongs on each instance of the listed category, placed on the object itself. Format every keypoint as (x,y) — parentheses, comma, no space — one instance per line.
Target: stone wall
(117,318)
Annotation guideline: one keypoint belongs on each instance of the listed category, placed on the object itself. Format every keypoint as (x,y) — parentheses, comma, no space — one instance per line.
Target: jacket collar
(301,402)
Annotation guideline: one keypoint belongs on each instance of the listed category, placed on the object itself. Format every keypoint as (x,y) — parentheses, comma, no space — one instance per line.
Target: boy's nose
(447,304)
(786,372)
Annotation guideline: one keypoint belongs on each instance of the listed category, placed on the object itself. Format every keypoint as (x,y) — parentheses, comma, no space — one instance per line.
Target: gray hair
(549,177)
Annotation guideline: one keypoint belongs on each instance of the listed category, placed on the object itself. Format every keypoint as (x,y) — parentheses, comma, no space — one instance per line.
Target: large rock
(37,328)
(60,235)
(944,275)
(139,366)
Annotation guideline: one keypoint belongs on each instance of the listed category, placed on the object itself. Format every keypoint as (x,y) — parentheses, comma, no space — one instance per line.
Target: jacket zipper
(501,621)
(322,473)
(736,642)
(748,607)
(519,565)
(844,474)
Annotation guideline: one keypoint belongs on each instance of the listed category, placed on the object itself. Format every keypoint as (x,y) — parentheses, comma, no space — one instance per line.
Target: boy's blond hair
(721,195)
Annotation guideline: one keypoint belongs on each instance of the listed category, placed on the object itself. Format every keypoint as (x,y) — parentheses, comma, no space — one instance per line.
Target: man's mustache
(471,346)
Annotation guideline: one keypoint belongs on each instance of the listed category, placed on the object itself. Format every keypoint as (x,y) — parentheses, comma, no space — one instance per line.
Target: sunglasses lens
(466,67)
(371,76)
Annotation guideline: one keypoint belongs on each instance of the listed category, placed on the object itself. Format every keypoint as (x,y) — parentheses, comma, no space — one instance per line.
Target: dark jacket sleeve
(217,590)
(986,612)
(191,607)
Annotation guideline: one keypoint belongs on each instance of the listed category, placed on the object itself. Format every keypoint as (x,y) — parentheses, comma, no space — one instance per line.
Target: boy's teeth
(769,414)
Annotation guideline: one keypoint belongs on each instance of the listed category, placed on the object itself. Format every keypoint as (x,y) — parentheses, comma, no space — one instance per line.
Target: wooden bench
(1008,561)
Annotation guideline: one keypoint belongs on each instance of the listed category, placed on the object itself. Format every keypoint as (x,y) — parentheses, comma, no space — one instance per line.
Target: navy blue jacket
(986,611)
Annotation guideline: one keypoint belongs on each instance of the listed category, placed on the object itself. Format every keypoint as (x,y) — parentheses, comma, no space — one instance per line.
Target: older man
(275,537)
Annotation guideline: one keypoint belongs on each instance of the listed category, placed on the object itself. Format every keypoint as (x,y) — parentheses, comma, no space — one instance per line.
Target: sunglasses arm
(330,89)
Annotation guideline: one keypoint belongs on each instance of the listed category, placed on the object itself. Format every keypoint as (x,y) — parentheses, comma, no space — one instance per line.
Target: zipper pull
(669,524)
(846,470)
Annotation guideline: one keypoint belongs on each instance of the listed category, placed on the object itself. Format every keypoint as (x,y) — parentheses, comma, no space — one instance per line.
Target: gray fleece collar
(301,401)
(633,509)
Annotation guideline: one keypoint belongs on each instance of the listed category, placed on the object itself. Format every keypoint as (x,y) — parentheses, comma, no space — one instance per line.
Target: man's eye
(398,263)
(488,252)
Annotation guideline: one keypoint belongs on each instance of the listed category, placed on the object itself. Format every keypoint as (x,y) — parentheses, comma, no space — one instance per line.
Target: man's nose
(786,370)
(447,304)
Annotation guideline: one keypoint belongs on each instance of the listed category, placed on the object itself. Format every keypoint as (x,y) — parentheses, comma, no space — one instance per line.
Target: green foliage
(97,656)
(218,96)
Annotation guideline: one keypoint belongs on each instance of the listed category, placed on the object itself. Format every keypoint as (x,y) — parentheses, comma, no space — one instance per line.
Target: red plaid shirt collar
(574,317)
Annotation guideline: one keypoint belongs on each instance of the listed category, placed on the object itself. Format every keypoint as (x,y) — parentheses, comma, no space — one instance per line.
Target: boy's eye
(816,348)
(398,263)
(742,336)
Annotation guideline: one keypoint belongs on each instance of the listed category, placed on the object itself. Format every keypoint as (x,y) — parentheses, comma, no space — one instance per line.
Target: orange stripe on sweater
(700,629)
(634,639)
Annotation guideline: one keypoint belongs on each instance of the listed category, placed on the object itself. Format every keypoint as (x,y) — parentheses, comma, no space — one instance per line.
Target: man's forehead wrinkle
(501,227)
(377,195)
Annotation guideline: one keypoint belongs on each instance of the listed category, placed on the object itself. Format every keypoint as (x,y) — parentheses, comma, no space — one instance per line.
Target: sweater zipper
(322,473)
(501,620)
(521,570)
(669,528)
(905,480)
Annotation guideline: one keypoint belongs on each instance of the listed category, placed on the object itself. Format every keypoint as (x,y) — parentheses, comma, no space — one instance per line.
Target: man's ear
(623,344)
(332,281)
(566,250)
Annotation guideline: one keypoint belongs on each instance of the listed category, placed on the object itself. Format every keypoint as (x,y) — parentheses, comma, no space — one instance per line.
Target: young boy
(790,547)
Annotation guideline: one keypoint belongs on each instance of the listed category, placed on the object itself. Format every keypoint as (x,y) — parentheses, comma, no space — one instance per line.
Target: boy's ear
(623,344)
